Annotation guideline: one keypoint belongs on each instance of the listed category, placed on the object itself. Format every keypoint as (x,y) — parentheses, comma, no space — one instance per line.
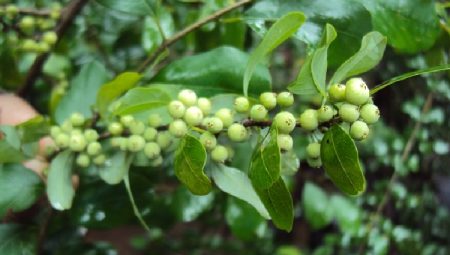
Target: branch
(167,43)
(68,15)
(35,12)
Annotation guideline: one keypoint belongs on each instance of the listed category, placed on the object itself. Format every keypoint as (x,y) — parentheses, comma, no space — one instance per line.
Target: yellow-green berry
(313,150)
(348,112)
(100,159)
(94,148)
(77,142)
(325,113)
(62,140)
(258,112)
(314,162)
(77,119)
(285,142)
(164,139)
(150,134)
(370,113)
(135,143)
(208,140)
(204,104)
(219,154)
(176,109)
(213,124)
(359,130)
(337,92)
(241,104)
(83,160)
(91,135)
(237,132)
(285,99)
(285,122)
(356,91)
(268,99)
(226,116)
(193,116)
(178,128)
(115,128)
(50,38)
(152,150)
(137,127)
(154,120)
(308,120)
(127,120)
(187,97)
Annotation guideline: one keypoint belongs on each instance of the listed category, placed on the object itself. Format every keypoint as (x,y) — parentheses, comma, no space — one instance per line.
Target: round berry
(127,120)
(152,150)
(285,142)
(100,159)
(258,112)
(225,115)
(213,124)
(337,92)
(83,160)
(94,148)
(50,37)
(356,91)
(55,131)
(27,23)
(309,120)
(62,140)
(230,152)
(150,134)
(314,162)
(77,142)
(154,120)
(313,150)
(42,47)
(325,113)
(187,97)
(285,122)
(204,104)
(237,132)
(135,143)
(77,119)
(157,162)
(285,99)
(91,135)
(359,130)
(137,127)
(29,45)
(241,104)
(268,99)
(348,112)
(67,126)
(178,128)
(193,116)
(118,142)
(11,10)
(176,109)
(164,140)
(208,140)
(219,154)
(115,128)
(370,113)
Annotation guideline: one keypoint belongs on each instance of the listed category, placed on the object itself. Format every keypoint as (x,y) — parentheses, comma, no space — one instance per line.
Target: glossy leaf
(138,7)
(188,207)
(10,145)
(9,70)
(347,214)
(154,26)
(277,34)
(19,188)
(60,190)
(340,161)
(33,129)
(243,220)
(115,167)
(316,206)
(17,239)
(236,183)
(141,99)
(190,159)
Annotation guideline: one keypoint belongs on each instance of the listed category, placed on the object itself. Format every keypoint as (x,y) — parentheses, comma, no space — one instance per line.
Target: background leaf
(141,99)
(187,207)
(243,219)
(10,145)
(138,7)
(115,167)
(318,211)
(152,37)
(17,239)
(60,191)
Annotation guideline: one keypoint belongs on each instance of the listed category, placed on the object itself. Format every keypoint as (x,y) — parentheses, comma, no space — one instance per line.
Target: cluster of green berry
(30,31)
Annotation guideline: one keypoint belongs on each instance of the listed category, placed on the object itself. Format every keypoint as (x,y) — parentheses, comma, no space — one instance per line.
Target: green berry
(152,150)
(118,142)
(127,120)
(91,135)
(225,115)
(50,38)
(29,45)
(348,112)
(208,140)
(164,139)
(213,124)
(27,23)
(370,113)
(309,120)
(157,162)
(178,128)
(241,104)
(193,116)
(285,122)
(237,132)
(77,142)
(356,91)
(83,160)
(176,109)
(359,130)
(204,104)
(62,140)
(337,92)
(258,112)
(219,154)
(150,134)
(268,99)
(325,113)
(135,143)
(42,47)
(94,148)
(137,127)
(115,128)
(313,150)
(67,126)
(187,97)
(154,120)
(285,142)
(230,152)
(285,99)
(55,131)
(77,119)
(314,162)
(11,10)
(100,159)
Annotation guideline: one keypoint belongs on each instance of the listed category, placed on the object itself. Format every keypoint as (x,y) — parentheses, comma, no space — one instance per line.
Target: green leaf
(162,22)
(220,70)
(141,99)
(265,167)
(407,76)
(410,26)
(138,215)
(10,145)
(318,213)
(243,220)
(17,239)
(187,206)
(60,190)
(113,89)
(304,84)
(10,76)
(19,188)
(236,183)
(368,56)
(190,159)
(347,214)
(138,7)
(115,168)
(82,93)
(278,202)
(340,161)
(278,33)
(33,129)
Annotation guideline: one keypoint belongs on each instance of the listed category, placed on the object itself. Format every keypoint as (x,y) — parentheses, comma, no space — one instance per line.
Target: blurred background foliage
(405,209)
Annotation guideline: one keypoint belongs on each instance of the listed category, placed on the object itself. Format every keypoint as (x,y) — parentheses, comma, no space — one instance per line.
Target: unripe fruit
(150,134)
(29,45)
(285,99)
(178,128)
(55,131)
(268,99)
(62,140)
(313,150)
(94,148)
(135,143)
(50,37)
(77,119)
(67,126)
(176,109)
(115,128)
(154,120)
(193,116)
(83,160)
(164,139)
(187,97)
(241,104)
(285,122)
(230,152)
(308,120)
(237,132)
(204,104)
(137,127)
(77,142)
(118,142)
(213,124)
(348,112)
(285,142)
(359,130)
(325,113)
(157,162)
(152,150)
(208,140)
(100,159)
(370,113)
(337,92)
(27,23)
(127,120)
(225,115)
(219,154)
(11,10)
(314,162)
(356,91)
(91,135)
(258,112)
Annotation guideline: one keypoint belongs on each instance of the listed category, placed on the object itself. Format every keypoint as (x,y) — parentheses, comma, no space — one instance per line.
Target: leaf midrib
(340,163)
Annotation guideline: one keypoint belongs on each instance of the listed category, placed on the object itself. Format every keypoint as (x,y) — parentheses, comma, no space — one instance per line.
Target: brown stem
(35,12)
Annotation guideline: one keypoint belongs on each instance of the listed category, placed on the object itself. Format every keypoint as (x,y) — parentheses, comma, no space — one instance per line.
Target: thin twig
(35,12)
(167,43)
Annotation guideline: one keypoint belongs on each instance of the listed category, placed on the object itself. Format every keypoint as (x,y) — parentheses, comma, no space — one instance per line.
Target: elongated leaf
(340,161)
(33,129)
(17,239)
(60,191)
(187,206)
(368,56)
(407,76)
(316,206)
(347,214)
(115,168)
(236,183)
(243,220)
(190,159)
(139,7)
(141,99)
(278,33)
(10,145)
(265,167)
(113,89)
